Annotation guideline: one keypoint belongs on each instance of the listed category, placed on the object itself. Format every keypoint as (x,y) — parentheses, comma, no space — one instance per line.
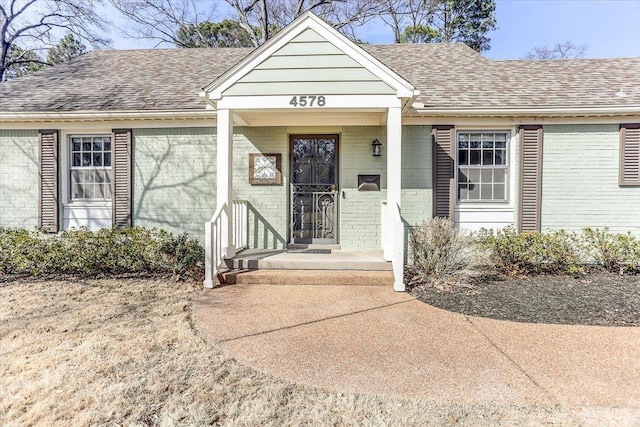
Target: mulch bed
(594,299)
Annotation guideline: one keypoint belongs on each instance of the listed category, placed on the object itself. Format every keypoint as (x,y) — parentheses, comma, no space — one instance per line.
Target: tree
(30,26)
(263,18)
(441,21)
(567,50)
(175,22)
(227,33)
(67,48)
(22,62)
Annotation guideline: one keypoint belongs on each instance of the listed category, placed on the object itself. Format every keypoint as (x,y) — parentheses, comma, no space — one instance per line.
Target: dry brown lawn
(126,352)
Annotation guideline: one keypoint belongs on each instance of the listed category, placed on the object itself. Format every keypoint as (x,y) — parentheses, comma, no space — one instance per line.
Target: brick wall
(268,204)
(580,180)
(174,178)
(19,178)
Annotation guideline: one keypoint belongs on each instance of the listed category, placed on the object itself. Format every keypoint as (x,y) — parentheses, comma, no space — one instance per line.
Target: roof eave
(106,115)
(595,111)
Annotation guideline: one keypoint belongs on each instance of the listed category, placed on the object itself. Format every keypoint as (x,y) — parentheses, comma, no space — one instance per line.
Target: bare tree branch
(31,25)
(566,50)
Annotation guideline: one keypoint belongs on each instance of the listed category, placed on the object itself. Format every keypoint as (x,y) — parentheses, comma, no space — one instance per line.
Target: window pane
(487,157)
(474,157)
(462,175)
(86,146)
(501,157)
(77,160)
(474,192)
(486,175)
(499,175)
(76,191)
(498,192)
(463,192)
(86,159)
(463,158)
(97,144)
(107,159)
(89,192)
(107,145)
(90,175)
(107,191)
(76,146)
(485,191)
(97,159)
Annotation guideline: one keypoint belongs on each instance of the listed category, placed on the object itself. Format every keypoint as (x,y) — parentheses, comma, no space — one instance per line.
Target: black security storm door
(314,184)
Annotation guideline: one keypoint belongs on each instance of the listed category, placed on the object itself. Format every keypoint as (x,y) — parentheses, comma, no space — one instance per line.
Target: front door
(314,186)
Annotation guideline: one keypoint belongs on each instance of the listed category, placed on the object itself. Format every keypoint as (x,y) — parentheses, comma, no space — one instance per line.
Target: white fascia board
(332,102)
(531,112)
(105,115)
(308,20)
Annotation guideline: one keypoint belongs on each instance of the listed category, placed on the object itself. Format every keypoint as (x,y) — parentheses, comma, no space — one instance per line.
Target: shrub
(438,249)
(532,252)
(617,253)
(107,251)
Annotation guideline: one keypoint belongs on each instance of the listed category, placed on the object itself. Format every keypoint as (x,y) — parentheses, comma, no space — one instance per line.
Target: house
(314,139)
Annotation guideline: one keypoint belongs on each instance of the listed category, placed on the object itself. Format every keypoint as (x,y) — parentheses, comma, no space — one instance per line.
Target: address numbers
(308,101)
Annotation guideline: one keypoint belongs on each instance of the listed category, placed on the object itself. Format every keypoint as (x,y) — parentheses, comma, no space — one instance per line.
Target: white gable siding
(309,64)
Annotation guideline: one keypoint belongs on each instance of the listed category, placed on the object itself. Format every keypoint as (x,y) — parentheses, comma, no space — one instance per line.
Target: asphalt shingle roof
(448,75)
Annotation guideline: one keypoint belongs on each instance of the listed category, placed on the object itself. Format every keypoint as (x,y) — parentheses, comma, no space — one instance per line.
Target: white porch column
(394,250)
(224,177)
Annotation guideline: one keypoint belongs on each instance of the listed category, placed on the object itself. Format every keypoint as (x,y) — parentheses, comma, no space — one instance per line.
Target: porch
(314,264)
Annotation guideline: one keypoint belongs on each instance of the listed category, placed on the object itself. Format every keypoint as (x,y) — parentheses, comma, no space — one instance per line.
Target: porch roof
(447,75)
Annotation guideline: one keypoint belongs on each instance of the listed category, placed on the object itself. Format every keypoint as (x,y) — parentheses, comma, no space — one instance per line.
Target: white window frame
(509,169)
(69,168)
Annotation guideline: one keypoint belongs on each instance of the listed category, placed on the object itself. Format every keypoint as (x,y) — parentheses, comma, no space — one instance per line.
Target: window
(482,166)
(90,167)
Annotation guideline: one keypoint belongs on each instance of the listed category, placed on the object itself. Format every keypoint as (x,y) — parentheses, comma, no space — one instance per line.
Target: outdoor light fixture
(376,147)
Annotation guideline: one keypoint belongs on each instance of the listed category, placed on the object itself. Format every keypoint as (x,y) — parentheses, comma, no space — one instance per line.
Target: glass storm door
(314,184)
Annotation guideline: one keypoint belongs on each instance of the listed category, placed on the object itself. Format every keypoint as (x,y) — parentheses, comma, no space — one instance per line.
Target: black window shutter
(530,177)
(444,187)
(629,154)
(48,215)
(121,178)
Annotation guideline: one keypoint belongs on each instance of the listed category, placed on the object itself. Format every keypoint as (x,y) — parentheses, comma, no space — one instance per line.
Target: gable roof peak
(309,21)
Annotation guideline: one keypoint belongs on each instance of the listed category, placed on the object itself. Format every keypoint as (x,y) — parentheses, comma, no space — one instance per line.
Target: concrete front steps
(308,277)
(300,267)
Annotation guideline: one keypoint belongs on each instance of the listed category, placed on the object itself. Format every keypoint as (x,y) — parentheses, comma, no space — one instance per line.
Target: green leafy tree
(21,62)
(441,21)
(67,48)
(227,33)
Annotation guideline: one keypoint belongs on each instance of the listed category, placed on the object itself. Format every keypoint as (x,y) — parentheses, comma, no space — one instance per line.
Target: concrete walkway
(369,339)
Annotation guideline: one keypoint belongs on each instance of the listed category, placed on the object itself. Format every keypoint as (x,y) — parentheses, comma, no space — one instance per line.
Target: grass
(126,352)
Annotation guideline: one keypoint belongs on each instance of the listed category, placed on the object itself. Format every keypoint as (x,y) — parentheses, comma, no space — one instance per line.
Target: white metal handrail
(215,230)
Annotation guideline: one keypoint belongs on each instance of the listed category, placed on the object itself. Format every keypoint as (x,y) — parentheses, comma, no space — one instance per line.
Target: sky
(609,28)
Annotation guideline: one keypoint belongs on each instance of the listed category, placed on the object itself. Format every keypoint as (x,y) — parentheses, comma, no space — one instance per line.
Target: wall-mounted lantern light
(376,147)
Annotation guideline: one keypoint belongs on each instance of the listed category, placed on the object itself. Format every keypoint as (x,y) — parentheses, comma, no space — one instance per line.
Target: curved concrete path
(369,339)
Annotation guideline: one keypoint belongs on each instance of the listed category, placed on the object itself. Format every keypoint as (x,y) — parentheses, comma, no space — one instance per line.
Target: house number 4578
(308,101)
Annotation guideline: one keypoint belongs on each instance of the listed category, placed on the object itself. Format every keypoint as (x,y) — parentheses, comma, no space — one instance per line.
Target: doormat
(309,251)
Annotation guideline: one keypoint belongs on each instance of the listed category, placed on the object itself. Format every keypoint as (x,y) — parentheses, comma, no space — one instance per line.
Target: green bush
(104,252)
(616,252)
(532,252)
(437,249)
